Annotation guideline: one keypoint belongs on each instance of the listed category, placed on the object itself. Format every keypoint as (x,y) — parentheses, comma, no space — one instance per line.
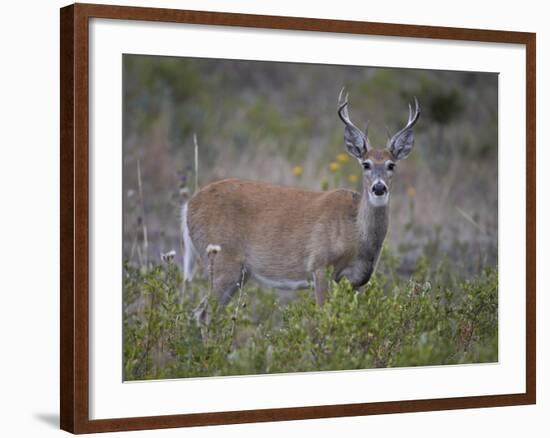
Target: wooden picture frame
(75,226)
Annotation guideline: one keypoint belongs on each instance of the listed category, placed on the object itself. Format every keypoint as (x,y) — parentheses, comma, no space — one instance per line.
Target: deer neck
(372,224)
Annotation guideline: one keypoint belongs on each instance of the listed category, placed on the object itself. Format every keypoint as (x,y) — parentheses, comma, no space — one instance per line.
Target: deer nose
(379,188)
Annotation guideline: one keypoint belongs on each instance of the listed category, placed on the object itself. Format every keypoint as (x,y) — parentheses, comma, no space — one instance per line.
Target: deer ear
(356,143)
(401,144)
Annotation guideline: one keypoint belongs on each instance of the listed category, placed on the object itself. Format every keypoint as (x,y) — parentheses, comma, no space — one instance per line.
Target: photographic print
(287,217)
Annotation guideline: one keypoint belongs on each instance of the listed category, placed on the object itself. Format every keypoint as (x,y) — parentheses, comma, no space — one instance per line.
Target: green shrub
(391,323)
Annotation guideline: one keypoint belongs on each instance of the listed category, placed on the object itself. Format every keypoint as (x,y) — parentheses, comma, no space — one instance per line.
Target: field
(434,297)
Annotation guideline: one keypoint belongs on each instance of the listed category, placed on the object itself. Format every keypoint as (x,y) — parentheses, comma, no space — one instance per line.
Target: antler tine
(343,113)
(340,95)
(344,116)
(342,108)
(412,119)
(416,110)
(345,107)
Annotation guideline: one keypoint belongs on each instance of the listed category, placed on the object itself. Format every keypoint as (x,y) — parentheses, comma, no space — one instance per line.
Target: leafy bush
(391,323)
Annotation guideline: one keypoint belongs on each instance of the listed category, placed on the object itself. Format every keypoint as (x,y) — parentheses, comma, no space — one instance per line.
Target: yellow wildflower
(334,166)
(343,158)
(411,191)
(297,170)
(352,179)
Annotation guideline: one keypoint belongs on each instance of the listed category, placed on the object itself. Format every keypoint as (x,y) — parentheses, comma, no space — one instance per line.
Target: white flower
(168,257)
(213,249)
(184,191)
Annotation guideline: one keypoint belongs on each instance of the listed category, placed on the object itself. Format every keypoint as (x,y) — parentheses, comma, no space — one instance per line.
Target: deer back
(275,230)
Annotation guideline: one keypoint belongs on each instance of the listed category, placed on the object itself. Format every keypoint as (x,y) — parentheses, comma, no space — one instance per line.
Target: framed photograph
(272,218)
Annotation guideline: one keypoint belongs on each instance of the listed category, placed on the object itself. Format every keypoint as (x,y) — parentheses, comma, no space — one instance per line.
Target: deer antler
(411,121)
(401,144)
(344,115)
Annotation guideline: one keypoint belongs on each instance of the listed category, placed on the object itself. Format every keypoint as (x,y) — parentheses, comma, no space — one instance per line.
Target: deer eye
(391,166)
(367,165)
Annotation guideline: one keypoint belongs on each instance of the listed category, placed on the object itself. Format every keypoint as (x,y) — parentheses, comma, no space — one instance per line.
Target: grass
(429,319)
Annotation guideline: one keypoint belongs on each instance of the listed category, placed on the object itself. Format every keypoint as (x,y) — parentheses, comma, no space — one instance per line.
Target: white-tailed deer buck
(286,237)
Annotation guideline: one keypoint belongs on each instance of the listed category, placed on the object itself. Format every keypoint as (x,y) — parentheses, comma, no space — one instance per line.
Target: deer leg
(226,285)
(229,273)
(227,278)
(320,282)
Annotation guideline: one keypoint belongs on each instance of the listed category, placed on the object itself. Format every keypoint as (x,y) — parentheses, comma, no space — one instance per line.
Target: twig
(201,312)
(143,222)
(236,313)
(196,162)
(140,258)
(148,335)
(133,249)
(473,321)
(182,249)
(469,218)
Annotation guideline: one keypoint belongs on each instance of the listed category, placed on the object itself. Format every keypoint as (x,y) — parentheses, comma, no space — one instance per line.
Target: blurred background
(277,122)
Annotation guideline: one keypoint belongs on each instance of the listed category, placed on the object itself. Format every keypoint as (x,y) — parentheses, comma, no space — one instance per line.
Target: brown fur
(379,156)
(284,233)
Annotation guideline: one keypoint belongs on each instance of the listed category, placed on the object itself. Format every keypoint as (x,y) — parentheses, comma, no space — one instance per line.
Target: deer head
(378,165)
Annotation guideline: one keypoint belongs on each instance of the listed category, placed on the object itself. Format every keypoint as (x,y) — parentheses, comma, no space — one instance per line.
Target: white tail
(288,238)
(190,253)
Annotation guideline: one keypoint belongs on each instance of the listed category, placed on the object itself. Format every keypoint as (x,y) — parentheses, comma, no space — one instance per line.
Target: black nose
(379,189)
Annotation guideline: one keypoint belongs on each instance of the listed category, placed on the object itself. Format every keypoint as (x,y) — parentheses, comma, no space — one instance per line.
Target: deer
(289,238)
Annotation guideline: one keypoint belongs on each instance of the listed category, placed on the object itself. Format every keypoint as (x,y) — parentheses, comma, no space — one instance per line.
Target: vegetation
(428,320)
